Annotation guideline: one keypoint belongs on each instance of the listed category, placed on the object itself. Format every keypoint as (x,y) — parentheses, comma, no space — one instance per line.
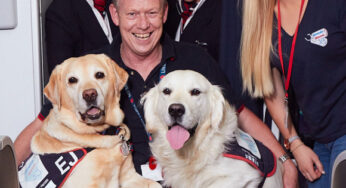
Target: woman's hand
(308,162)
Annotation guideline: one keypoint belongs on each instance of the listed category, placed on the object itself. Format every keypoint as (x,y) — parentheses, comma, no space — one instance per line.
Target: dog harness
(265,162)
(49,170)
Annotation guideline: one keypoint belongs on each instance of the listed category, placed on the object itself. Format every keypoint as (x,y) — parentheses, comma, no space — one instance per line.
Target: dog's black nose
(90,95)
(176,110)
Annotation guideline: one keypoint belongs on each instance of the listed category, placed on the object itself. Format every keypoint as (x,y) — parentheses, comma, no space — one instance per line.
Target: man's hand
(290,174)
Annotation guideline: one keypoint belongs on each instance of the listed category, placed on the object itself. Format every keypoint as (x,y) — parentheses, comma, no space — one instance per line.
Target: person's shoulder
(189,48)
(61,8)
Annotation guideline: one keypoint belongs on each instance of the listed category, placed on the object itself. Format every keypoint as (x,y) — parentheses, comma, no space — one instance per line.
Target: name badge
(318,37)
(155,174)
(247,142)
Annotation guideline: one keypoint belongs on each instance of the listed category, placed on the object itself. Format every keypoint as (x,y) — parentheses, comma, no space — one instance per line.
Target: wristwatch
(284,158)
(287,142)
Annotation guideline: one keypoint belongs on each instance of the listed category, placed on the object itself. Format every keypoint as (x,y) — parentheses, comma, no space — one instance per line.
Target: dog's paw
(124,132)
(110,141)
(154,185)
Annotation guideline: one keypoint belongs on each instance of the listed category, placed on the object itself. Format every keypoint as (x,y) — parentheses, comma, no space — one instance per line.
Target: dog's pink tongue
(177,136)
(93,111)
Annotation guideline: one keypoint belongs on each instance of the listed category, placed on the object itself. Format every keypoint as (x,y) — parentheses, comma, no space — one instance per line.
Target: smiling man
(147,55)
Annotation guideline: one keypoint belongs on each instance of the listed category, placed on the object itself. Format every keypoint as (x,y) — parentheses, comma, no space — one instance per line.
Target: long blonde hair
(256,47)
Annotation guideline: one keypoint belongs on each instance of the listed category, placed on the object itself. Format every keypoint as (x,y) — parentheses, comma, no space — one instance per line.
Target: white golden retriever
(191,122)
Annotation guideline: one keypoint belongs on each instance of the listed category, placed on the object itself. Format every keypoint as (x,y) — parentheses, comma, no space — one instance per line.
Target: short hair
(115,2)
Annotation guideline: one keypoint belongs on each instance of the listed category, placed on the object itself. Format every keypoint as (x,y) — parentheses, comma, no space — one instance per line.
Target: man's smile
(142,36)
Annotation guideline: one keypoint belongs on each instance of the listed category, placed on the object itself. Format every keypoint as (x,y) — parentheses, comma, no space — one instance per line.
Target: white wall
(20,91)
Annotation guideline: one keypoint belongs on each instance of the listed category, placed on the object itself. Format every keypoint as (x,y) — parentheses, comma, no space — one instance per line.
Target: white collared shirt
(104,22)
(180,9)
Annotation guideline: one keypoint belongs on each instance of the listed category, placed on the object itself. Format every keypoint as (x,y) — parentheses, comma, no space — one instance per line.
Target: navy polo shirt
(319,68)
(176,56)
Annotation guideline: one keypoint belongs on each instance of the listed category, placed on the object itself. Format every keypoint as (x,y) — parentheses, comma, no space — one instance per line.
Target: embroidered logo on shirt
(318,37)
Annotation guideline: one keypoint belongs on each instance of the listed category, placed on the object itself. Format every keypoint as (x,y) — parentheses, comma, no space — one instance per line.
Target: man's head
(190,1)
(140,23)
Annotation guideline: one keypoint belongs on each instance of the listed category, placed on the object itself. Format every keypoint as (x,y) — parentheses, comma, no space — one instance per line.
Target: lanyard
(133,104)
(290,63)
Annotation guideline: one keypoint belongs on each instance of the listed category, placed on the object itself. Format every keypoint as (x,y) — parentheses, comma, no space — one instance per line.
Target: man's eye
(72,80)
(195,92)
(166,91)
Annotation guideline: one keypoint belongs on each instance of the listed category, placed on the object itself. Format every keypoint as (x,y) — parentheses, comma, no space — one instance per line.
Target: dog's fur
(199,163)
(78,117)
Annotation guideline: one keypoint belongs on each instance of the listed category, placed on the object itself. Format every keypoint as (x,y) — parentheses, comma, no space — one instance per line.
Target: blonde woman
(300,45)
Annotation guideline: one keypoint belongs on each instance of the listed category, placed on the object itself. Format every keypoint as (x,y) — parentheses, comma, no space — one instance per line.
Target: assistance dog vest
(247,149)
(49,170)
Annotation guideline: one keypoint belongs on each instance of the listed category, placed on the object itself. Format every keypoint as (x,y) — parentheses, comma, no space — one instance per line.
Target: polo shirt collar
(168,51)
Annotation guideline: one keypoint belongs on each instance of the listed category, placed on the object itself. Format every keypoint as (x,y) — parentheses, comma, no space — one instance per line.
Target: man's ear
(165,13)
(114,14)
(52,89)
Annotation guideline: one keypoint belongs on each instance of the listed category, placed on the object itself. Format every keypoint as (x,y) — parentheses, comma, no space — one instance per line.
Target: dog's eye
(72,80)
(99,75)
(195,92)
(166,91)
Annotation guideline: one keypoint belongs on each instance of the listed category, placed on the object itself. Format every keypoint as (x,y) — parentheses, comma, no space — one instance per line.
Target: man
(146,54)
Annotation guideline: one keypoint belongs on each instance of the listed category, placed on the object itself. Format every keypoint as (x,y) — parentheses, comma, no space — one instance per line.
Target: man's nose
(143,22)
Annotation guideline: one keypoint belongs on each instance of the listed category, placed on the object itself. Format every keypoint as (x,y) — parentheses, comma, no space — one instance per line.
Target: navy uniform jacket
(204,27)
(72,29)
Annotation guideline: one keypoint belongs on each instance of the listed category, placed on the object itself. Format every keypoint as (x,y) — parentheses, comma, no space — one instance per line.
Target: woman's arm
(305,157)
(251,124)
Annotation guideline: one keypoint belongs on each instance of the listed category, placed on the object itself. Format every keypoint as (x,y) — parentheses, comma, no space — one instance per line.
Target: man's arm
(22,142)
(251,124)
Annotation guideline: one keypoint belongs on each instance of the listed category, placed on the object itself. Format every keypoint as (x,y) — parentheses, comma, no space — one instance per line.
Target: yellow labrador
(85,94)
(191,123)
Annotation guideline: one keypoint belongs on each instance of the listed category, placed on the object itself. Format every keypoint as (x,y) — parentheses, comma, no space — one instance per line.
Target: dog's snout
(90,95)
(176,110)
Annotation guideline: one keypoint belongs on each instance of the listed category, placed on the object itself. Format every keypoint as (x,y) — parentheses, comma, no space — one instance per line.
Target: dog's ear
(149,101)
(114,115)
(217,102)
(120,73)
(53,89)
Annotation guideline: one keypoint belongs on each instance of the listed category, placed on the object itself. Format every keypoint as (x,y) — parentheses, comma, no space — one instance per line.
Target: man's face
(140,23)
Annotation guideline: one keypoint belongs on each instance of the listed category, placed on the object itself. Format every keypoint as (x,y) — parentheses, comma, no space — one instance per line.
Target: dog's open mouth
(177,135)
(92,113)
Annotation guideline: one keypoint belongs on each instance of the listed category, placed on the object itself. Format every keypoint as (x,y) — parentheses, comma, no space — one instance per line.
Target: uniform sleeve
(217,77)
(343,17)
(231,26)
(47,106)
(59,28)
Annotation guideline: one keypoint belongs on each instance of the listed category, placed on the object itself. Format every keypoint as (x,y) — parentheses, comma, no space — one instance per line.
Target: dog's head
(182,103)
(89,88)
